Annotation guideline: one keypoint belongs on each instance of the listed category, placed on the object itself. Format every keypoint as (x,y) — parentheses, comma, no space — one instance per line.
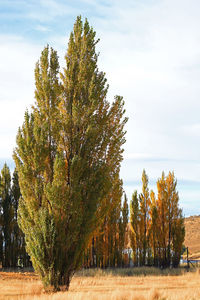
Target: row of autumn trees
(157,224)
(12,240)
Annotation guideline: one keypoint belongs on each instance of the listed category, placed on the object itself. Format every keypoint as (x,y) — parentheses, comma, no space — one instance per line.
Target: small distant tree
(68,154)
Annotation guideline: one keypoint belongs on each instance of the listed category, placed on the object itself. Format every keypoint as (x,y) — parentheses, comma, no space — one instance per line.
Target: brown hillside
(192,236)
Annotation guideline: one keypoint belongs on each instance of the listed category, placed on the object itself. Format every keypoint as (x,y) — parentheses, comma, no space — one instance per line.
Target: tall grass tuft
(135,271)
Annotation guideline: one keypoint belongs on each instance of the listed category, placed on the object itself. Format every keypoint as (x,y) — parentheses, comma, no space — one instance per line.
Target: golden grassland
(148,284)
(192,236)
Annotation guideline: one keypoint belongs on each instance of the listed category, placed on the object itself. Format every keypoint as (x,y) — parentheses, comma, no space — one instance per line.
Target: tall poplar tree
(134,226)
(1,229)
(68,155)
(123,222)
(154,229)
(170,221)
(18,240)
(144,210)
(6,215)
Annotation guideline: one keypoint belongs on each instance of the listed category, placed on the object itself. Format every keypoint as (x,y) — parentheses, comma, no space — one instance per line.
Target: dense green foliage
(68,156)
(157,225)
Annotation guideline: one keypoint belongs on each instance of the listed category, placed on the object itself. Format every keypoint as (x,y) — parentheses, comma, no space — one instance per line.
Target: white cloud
(137,156)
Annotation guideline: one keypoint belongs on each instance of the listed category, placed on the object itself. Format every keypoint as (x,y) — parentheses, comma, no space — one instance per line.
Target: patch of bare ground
(152,287)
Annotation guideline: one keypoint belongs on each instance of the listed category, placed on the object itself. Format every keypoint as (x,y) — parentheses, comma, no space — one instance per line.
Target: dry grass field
(106,287)
(192,236)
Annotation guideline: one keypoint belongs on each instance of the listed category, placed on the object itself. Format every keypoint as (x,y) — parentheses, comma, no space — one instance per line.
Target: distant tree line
(157,224)
(12,240)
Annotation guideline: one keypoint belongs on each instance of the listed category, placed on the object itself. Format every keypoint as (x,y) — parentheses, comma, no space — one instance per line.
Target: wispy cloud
(42,28)
(192,130)
(48,10)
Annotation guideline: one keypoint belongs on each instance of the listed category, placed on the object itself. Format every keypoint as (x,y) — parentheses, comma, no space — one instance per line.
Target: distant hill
(192,236)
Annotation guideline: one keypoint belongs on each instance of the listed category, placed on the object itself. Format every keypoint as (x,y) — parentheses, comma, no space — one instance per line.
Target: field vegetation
(119,284)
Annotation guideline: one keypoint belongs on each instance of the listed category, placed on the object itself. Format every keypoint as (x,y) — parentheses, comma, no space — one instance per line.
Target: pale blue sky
(150,51)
